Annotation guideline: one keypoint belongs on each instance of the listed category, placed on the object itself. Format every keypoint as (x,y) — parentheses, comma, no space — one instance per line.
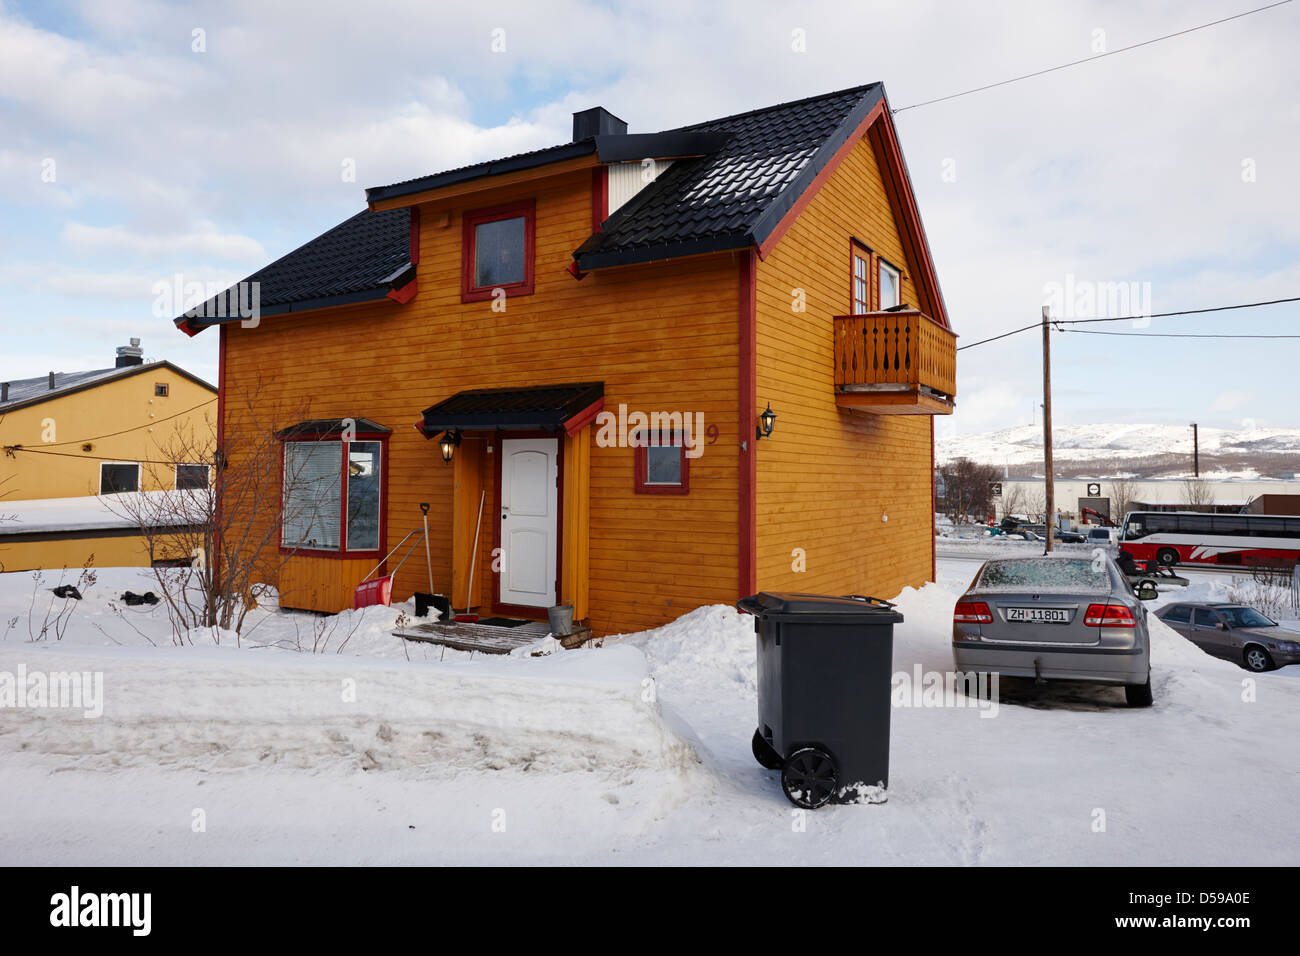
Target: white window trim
(898,284)
(139,477)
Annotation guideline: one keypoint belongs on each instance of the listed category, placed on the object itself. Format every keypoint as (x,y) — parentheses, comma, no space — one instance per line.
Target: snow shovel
(380,591)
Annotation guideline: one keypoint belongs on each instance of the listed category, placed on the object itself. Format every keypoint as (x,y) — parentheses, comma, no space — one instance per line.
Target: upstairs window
(861,279)
(891,291)
(160,389)
(497,251)
(333,496)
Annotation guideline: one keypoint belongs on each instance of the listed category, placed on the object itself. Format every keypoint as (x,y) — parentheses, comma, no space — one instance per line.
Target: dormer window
(497,251)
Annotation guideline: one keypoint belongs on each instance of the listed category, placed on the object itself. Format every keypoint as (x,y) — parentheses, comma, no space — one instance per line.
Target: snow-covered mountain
(1024,443)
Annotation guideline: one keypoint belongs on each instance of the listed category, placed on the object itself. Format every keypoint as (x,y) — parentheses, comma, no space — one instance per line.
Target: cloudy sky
(140,141)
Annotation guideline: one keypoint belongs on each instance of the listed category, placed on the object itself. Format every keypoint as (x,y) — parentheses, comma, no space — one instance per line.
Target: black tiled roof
(734,197)
(321,427)
(356,260)
(756,166)
(538,406)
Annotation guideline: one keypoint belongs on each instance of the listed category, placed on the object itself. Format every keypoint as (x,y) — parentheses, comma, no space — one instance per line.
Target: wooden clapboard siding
(828,475)
(661,336)
(310,582)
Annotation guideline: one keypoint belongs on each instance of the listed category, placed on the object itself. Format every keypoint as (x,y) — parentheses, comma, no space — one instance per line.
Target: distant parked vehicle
(1103,537)
(1066,537)
(1235,633)
(1062,617)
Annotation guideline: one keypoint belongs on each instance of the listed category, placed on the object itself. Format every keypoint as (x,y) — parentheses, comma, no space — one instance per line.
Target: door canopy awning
(552,408)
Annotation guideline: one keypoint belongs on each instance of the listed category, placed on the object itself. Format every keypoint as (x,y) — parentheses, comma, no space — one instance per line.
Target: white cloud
(206,240)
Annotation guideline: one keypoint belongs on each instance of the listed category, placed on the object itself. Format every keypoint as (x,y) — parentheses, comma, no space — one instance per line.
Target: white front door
(528,521)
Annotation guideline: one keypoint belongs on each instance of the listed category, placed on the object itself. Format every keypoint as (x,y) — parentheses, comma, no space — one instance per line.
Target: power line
(1165,315)
(1002,336)
(120,459)
(1180,335)
(156,421)
(1089,59)
(1131,318)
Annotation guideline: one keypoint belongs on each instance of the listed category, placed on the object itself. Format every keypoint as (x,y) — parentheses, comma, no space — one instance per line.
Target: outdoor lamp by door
(766,422)
(447,443)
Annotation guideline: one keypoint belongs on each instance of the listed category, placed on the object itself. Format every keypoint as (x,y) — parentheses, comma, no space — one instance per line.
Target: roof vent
(4,391)
(129,355)
(51,381)
(596,121)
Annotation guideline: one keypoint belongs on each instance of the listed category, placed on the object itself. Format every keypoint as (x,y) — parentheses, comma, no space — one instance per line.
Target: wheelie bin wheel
(766,754)
(810,778)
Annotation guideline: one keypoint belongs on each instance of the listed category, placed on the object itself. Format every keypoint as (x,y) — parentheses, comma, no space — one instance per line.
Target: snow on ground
(634,752)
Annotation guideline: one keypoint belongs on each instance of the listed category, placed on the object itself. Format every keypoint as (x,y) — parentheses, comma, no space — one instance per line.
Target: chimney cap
(596,121)
(128,355)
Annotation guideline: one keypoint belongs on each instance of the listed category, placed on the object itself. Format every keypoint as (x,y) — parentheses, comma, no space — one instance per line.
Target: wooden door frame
(499,438)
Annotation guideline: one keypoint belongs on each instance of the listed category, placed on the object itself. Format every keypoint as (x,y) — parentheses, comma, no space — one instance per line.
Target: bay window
(333,495)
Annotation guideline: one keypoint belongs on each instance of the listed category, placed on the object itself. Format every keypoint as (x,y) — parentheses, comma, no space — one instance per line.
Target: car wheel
(765,753)
(810,778)
(1167,556)
(1257,659)
(1138,695)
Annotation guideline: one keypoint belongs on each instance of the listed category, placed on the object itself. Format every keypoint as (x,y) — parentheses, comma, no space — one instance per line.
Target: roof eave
(399,278)
(653,252)
(568,151)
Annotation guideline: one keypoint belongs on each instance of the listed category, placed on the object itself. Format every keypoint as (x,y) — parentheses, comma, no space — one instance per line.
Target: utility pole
(1049,486)
(1196,452)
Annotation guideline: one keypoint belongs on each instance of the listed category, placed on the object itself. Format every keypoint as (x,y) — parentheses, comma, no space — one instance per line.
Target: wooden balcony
(895,363)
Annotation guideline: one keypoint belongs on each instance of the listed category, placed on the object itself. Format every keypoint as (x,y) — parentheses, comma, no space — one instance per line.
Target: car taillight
(971,612)
(1109,615)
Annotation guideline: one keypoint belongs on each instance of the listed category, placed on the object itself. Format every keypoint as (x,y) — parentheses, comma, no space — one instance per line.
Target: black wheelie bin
(824,685)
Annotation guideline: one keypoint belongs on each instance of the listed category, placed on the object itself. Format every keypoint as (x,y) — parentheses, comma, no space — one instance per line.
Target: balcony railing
(895,363)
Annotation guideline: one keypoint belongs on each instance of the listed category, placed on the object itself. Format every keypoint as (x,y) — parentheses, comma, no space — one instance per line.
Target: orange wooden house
(591,333)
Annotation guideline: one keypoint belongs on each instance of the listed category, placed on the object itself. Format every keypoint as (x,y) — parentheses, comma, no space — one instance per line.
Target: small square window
(160,389)
(662,467)
(117,477)
(497,251)
(191,477)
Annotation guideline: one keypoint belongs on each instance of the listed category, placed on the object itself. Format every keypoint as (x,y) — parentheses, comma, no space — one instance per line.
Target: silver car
(1062,617)
(1234,632)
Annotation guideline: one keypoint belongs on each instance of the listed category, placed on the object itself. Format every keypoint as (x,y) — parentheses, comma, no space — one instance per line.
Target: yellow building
(135,427)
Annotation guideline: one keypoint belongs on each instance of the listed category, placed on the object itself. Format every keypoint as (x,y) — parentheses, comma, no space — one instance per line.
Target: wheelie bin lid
(821,608)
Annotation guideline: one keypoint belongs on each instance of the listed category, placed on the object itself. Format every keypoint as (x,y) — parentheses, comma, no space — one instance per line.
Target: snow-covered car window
(1047,573)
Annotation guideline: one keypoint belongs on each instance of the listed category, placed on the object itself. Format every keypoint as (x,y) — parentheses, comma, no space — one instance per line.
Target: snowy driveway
(266,755)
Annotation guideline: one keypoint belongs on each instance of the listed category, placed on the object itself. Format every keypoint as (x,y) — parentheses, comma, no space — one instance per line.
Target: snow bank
(228,709)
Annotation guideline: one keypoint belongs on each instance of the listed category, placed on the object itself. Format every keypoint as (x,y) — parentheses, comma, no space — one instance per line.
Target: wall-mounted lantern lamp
(766,422)
(448,443)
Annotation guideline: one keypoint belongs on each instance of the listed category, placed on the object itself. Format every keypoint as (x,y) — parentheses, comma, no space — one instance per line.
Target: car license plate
(1038,615)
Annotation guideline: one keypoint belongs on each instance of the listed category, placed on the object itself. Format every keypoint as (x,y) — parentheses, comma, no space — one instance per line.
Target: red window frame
(640,484)
(342,550)
(525,208)
(860,253)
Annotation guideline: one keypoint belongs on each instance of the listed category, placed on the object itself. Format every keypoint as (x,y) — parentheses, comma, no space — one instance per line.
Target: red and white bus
(1186,537)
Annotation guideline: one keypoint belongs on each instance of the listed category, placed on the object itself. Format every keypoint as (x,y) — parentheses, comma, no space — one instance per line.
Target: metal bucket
(561,619)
